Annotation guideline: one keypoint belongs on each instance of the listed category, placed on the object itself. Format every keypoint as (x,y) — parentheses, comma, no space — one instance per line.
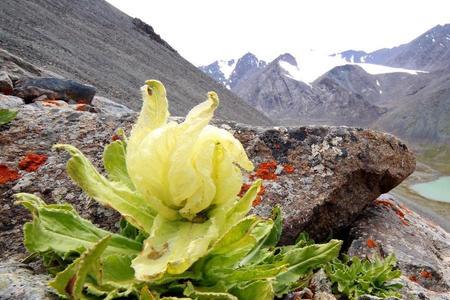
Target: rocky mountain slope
(95,43)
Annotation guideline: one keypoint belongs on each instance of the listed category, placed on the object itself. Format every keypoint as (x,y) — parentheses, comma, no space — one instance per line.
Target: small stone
(6,85)
(324,296)
(320,282)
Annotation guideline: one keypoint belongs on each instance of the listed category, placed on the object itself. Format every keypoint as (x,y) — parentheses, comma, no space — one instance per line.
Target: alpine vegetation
(185,233)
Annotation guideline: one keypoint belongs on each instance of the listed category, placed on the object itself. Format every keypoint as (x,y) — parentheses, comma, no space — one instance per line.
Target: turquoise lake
(438,189)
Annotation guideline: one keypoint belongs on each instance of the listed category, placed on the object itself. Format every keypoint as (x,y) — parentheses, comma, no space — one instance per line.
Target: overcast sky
(205,30)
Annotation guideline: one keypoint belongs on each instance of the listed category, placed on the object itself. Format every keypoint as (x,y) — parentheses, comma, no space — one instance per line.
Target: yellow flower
(183,169)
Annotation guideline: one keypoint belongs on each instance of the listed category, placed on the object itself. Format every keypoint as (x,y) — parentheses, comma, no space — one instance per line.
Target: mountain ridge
(407,95)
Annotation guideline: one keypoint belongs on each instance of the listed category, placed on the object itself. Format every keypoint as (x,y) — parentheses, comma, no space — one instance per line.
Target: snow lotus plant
(184,232)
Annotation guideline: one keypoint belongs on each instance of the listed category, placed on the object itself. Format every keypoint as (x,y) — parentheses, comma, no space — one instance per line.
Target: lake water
(438,189)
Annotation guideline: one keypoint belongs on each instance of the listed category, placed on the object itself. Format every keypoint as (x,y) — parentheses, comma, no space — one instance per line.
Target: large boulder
(421,247)
(54,88)
(109,107)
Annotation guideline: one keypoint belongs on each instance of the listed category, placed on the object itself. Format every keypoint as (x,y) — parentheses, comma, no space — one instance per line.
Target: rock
(324,296)
(17,281)
(329,174)
(44,104)
(320,282)
(370,297)
(303,294)
(54,88)
(148,30)
(326,175)
(421,247)
(6,85)
(32,93)
(10,102)
(16,67)
(109,107)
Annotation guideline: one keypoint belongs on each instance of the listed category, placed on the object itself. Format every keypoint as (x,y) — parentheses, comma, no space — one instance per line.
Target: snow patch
(227,67)
(313,64)
(292,71)
(379,69)
(378,83)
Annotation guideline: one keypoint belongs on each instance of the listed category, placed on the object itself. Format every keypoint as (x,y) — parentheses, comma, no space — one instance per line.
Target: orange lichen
(266,170)
(32,161)
(80,107)
(413,278)
(258,198)
(425,274)
(288,169)
(244,189)
(51,103)
(391,205)
(371,243)
(116,137)
(7,174)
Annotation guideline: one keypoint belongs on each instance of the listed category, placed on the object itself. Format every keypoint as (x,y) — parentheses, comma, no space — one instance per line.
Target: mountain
(333,98)
(95,43)
(404,90)
(231,72)
(429,52)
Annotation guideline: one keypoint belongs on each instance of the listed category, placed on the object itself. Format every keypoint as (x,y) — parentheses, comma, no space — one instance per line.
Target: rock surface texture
(421,247)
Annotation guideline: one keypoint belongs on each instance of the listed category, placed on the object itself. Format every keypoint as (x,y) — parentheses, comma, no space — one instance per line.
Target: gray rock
(107,106)
(10,102)
(320,282)
(421,247)
(6,85)
(324,296)
(54,88)
(15,67)
(17,281)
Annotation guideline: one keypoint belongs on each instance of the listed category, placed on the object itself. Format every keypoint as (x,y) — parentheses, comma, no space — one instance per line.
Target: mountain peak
(230,72)
(287,57)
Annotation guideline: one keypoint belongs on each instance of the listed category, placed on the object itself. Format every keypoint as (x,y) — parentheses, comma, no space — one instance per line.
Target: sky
(203,31)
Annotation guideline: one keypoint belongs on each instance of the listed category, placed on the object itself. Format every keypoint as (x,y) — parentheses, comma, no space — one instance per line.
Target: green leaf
(117,195)
(58,228)
(303,260)
(70,282)
(173,246)
(7,116)
(275,234)
(115,164)
(355,277)
(191,292)
(261,290)
(227,253)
